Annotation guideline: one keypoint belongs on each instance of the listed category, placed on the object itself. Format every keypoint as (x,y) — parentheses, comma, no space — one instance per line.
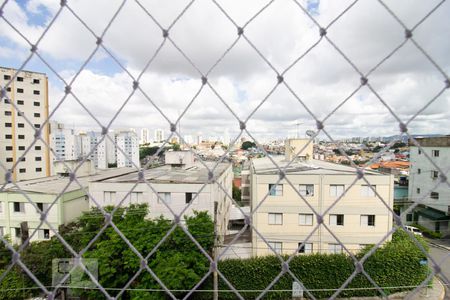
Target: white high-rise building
(145,136)
(127,148)
(63,142)
(159,135)
(29,92)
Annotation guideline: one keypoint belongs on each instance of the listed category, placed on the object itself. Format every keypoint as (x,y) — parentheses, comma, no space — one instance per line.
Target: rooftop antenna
(298,123)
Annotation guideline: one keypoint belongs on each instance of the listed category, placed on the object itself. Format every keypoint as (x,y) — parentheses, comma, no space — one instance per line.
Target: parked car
(414,230)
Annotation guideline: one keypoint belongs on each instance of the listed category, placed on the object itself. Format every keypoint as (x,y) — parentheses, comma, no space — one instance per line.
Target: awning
(433,214)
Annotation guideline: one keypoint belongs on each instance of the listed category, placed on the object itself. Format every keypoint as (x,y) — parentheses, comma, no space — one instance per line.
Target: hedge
(396,264)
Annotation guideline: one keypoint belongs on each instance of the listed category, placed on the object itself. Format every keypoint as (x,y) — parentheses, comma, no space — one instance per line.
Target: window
(275,189)
(368,191)
(136,197)
(8,113)
(305,219)
(19,207)
(277,246)
(419,151)
(9,148)
(109,197)
(21,148)
(367,220)
(435,153)
(17,232)
(189,197)
(337,220)
(336,190)
(36,81)
(20,113)
(19,79)
(335,248)
(8,125)
(38,169)
(21,137)
(306,190)
(22,170)
(36,148)
(409,217)
(8,136)
(9,159)
(434,195)
(36,92)
(36,103)
(42,206)
(419,171)
(305,248)
(37,115)
(44,234)
(275,219)
(418,190)
(22,159)
(7,101)
(38,158)
(20,102)
(21,125)
(20,91)
(8,89)
(7,77)
(1,231)
(165,196)
(434,174)
(37,125)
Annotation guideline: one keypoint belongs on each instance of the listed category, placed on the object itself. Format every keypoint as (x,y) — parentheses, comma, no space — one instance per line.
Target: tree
(237,195)
(176,147)
(149,151)
(247,145)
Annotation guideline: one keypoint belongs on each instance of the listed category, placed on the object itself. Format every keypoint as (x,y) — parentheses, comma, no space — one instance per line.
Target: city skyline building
(28,91)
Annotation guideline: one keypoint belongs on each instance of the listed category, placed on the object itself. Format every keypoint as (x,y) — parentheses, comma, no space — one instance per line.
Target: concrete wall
(352,206)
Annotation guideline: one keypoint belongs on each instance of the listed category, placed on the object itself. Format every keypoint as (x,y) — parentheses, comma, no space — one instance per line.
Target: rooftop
(56,184)
(197,173)
(311,167)
(438,141)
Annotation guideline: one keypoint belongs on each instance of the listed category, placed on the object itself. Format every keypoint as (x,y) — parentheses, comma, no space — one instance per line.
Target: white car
(414,230)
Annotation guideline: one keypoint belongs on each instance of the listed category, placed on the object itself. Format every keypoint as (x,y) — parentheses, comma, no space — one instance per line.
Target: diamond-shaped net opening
(216,204)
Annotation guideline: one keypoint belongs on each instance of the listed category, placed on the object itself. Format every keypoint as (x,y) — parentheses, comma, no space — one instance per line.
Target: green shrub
(393,265)
(427,232)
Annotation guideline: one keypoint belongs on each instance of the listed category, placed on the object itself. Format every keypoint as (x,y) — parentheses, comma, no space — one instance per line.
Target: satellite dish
(310,133)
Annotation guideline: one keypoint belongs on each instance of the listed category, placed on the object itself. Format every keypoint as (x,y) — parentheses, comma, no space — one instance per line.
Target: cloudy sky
(282,33)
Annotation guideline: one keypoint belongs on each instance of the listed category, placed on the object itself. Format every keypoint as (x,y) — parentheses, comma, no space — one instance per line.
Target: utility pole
(214,254)
(298,128)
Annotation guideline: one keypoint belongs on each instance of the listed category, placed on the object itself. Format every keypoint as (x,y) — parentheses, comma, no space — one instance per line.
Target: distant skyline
(322,79)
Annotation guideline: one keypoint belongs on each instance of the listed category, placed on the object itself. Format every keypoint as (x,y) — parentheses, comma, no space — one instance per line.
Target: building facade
(145,136)
(178,182)
(29,93)
(434,209)
(159,135)
(285,220)
(73,201)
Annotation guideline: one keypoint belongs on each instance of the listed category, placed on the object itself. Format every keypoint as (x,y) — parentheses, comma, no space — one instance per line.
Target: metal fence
(203,83)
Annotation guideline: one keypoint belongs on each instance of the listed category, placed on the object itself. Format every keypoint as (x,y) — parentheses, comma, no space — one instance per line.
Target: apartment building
(180,181)
(145,136)
(285,219)
(127,148)
(434,210)
(29,92)
(15,208)
(159,135)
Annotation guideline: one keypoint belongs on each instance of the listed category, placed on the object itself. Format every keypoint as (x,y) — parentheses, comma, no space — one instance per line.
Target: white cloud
(322,79)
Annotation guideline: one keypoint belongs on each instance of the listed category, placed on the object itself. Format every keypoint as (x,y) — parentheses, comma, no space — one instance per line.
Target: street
(438,254)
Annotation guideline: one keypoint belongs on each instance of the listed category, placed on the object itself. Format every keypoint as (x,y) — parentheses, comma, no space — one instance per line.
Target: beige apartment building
(29,92)
(285,220)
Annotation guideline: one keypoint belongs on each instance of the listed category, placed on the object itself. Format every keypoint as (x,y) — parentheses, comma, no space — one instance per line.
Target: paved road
(438,254)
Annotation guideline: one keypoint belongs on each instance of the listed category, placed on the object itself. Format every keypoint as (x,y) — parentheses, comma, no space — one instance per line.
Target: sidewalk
(436,292)
(443,244)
